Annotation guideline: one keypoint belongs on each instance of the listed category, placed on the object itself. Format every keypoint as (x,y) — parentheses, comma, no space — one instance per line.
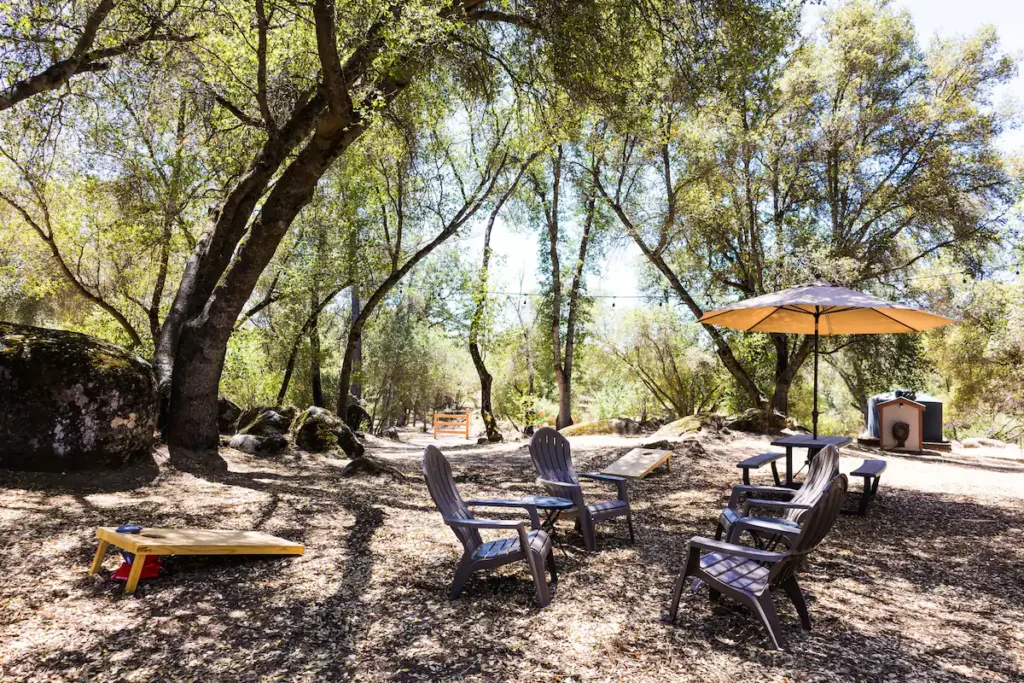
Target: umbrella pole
(814,413)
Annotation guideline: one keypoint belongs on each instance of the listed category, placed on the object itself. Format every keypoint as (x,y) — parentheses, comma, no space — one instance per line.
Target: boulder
(228,413)
(356,416)
(982,442)
(608,426)
(691,424)
(271,444)
(391,433)
(251,414)
(317,430)
(267,423)
(758,421)
(69,401)
(691,447)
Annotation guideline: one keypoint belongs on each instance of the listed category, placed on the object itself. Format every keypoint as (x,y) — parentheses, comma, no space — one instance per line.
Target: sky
(618,271)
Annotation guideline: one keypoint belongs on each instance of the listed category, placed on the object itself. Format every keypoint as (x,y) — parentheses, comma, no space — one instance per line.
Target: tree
(852,157)
(418,184)
(48,43)
(550,193)
(477,322)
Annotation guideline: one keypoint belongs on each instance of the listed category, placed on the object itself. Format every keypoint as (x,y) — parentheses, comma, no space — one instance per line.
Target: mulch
(927,587)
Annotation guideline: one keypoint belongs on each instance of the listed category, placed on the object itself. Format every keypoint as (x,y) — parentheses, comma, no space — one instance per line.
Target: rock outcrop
(69,401)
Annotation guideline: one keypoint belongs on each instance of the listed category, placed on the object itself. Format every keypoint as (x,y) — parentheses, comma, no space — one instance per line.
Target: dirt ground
(928,587)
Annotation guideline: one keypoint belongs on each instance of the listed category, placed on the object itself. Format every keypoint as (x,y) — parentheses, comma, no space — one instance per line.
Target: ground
(927,587)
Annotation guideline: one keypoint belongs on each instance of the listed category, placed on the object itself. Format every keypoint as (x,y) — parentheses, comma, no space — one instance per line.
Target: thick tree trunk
(786,367)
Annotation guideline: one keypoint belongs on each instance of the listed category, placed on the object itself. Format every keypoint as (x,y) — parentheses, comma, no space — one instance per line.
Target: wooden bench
(756,462)
(871,470)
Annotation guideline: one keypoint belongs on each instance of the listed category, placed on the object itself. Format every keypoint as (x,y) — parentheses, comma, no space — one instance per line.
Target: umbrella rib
(899,322)
(751,328)
(705,318)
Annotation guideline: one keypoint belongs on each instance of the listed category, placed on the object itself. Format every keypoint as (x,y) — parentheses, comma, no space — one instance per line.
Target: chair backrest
(438,473)
(823,469)
(816,524)
(552,459)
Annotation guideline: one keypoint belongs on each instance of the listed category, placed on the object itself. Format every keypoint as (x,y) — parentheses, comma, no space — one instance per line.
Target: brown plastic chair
(552,459)
(477,554)
(767,531)
(749,575)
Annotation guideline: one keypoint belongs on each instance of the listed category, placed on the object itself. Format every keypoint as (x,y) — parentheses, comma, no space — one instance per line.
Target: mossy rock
(228,414)
(317,430)
(691,424)
(616,425)
(69,401)
(758,422)
(268,423)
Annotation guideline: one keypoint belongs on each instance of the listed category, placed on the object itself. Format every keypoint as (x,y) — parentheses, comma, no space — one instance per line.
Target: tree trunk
(315,379)
(725,354)
(786,367)
(476,323)
(357,359)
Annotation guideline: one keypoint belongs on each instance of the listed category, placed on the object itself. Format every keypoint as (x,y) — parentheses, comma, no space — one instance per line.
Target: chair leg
(629,521)
(719,530)
(765,609)
(551,564)
(874,486)
(587,526)
(540,583)
(677,593)
(713,595)
(792,589)
(462,574)
(775,474)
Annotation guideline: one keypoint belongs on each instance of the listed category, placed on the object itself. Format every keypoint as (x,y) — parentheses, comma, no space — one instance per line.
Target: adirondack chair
(737,518)
(477,554)
(749,575)
(549,451)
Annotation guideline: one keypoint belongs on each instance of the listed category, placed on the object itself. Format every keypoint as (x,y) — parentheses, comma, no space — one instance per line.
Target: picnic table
(812,444)
(156,541)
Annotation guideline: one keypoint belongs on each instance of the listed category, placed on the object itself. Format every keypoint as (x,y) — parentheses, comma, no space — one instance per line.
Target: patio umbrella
(821,308)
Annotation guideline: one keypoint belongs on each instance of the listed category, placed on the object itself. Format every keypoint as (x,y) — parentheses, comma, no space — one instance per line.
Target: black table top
(808,441)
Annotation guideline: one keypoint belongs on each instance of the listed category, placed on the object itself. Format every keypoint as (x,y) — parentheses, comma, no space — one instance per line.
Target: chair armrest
(530,508)
(603,477)
(787,531)
(747,489)
(563,484)
(702,543)
(621,483)
(486,523)
(772,505)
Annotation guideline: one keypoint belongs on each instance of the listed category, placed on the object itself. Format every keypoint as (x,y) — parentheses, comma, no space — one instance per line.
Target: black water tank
(932,418)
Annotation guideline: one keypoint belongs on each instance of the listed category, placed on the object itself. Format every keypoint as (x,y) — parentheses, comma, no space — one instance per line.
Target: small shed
(902,410)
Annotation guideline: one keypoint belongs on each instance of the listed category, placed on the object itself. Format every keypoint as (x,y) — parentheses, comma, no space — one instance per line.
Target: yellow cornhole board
(155,541)
(639,462)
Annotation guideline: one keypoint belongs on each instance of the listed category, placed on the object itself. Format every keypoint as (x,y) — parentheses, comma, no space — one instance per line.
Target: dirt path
(927,587)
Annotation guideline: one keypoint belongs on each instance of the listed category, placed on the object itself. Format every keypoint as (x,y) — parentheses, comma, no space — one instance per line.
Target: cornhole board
(156,541)
(639,462)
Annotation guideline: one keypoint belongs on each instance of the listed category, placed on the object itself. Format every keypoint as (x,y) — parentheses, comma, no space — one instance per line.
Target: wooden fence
(451,424)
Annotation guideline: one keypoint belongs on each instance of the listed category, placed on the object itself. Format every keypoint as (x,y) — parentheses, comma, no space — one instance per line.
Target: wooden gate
(451,424)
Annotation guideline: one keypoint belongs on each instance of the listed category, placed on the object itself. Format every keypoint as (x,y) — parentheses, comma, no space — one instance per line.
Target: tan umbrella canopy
(821,308)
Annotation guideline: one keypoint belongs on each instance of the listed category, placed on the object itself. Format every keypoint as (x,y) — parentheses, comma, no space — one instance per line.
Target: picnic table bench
(871,471)
(756,462)
(156,541)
